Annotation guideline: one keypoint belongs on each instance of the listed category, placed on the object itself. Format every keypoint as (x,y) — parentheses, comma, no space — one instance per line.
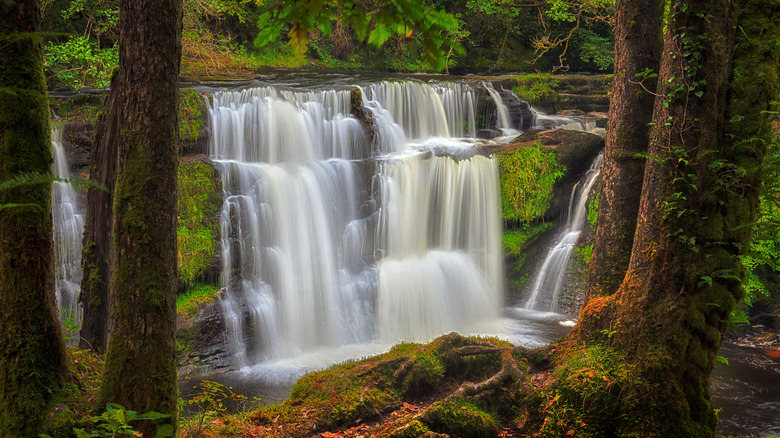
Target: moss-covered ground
(458,386)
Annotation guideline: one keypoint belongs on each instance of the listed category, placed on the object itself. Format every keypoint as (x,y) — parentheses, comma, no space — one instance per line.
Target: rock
(584,102)
(78,139)
(206,340)
(520,112)
(488,134)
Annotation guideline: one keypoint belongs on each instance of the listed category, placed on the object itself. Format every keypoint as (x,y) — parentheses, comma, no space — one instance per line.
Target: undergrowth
(527,176)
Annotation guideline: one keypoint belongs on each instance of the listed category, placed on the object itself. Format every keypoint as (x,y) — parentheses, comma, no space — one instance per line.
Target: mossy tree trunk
(140,371)
(32,353)
(638,44)
(97,253)
(699,199)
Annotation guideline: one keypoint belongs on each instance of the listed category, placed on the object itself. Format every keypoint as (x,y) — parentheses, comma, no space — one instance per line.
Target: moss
(412,430)
(459,418)
(527,176)
(188,302)
(198,207)
(536,88)
(425,373)
(192,117)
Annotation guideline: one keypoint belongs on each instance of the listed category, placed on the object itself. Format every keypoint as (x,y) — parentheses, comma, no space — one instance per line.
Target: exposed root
(509,373)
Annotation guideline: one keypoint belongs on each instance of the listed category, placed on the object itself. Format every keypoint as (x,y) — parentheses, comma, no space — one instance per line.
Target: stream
(337,245)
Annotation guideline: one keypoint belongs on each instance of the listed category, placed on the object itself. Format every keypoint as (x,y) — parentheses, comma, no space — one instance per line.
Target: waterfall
(424,110)
(504,121)
(68,229)
(547,285)
(323,247)
(440,239)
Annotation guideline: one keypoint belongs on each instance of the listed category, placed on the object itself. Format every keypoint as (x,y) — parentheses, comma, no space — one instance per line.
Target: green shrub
(78,62)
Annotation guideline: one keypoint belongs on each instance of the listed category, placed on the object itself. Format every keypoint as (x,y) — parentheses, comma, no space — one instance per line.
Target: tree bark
(699,199)
(97,253)
(638,44)
(140,369)
(32,353)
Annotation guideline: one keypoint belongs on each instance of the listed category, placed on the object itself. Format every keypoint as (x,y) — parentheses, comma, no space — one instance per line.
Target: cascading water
(423,110)
(504,121)
(68,229)
(547,285)
(322,248)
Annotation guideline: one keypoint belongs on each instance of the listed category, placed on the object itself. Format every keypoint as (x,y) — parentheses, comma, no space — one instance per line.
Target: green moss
(192,109)
(536,88)
(198,208)
(425,373)
(193,297)
(516,240)
(527,176)
(456,417)
(412,430)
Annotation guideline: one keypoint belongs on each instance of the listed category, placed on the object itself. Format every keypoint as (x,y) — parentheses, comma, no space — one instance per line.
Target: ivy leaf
(379,35)
(299,39)
(360,23)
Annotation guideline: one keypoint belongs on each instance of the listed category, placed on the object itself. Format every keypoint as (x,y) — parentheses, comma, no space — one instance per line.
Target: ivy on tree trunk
(699,200)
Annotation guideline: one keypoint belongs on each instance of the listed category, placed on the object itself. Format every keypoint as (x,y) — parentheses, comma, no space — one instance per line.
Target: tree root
(509,373)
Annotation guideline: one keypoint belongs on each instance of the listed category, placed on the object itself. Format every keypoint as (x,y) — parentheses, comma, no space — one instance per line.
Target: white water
(547,284)
(504,121)
(68,229)
(424,110)
(322,250)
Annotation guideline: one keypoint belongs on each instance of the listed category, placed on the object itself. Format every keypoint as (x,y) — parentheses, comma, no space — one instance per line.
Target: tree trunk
(140,369)
(32,353)
(699,199)
(638,44)
(96,260)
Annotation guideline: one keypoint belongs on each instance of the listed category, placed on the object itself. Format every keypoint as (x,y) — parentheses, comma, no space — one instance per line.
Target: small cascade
(330,239)
(423,110)
(547,285)
(504,121)
(68,229)
(548,121)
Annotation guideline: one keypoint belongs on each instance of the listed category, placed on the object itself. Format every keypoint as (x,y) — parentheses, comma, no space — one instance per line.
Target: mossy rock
(199,203)
(426,371)
(193,121)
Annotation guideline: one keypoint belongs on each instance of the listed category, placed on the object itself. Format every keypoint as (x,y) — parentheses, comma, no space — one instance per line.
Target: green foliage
(79,62)
(594,48)
(190,115)
(593,210)
(188,302)
(764,251)
(198,204)
(584,253)
(527,177)
(413,430)
(535,87)
(209,403)
(404,18)
(515,239)
(116,421)
(592,384)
